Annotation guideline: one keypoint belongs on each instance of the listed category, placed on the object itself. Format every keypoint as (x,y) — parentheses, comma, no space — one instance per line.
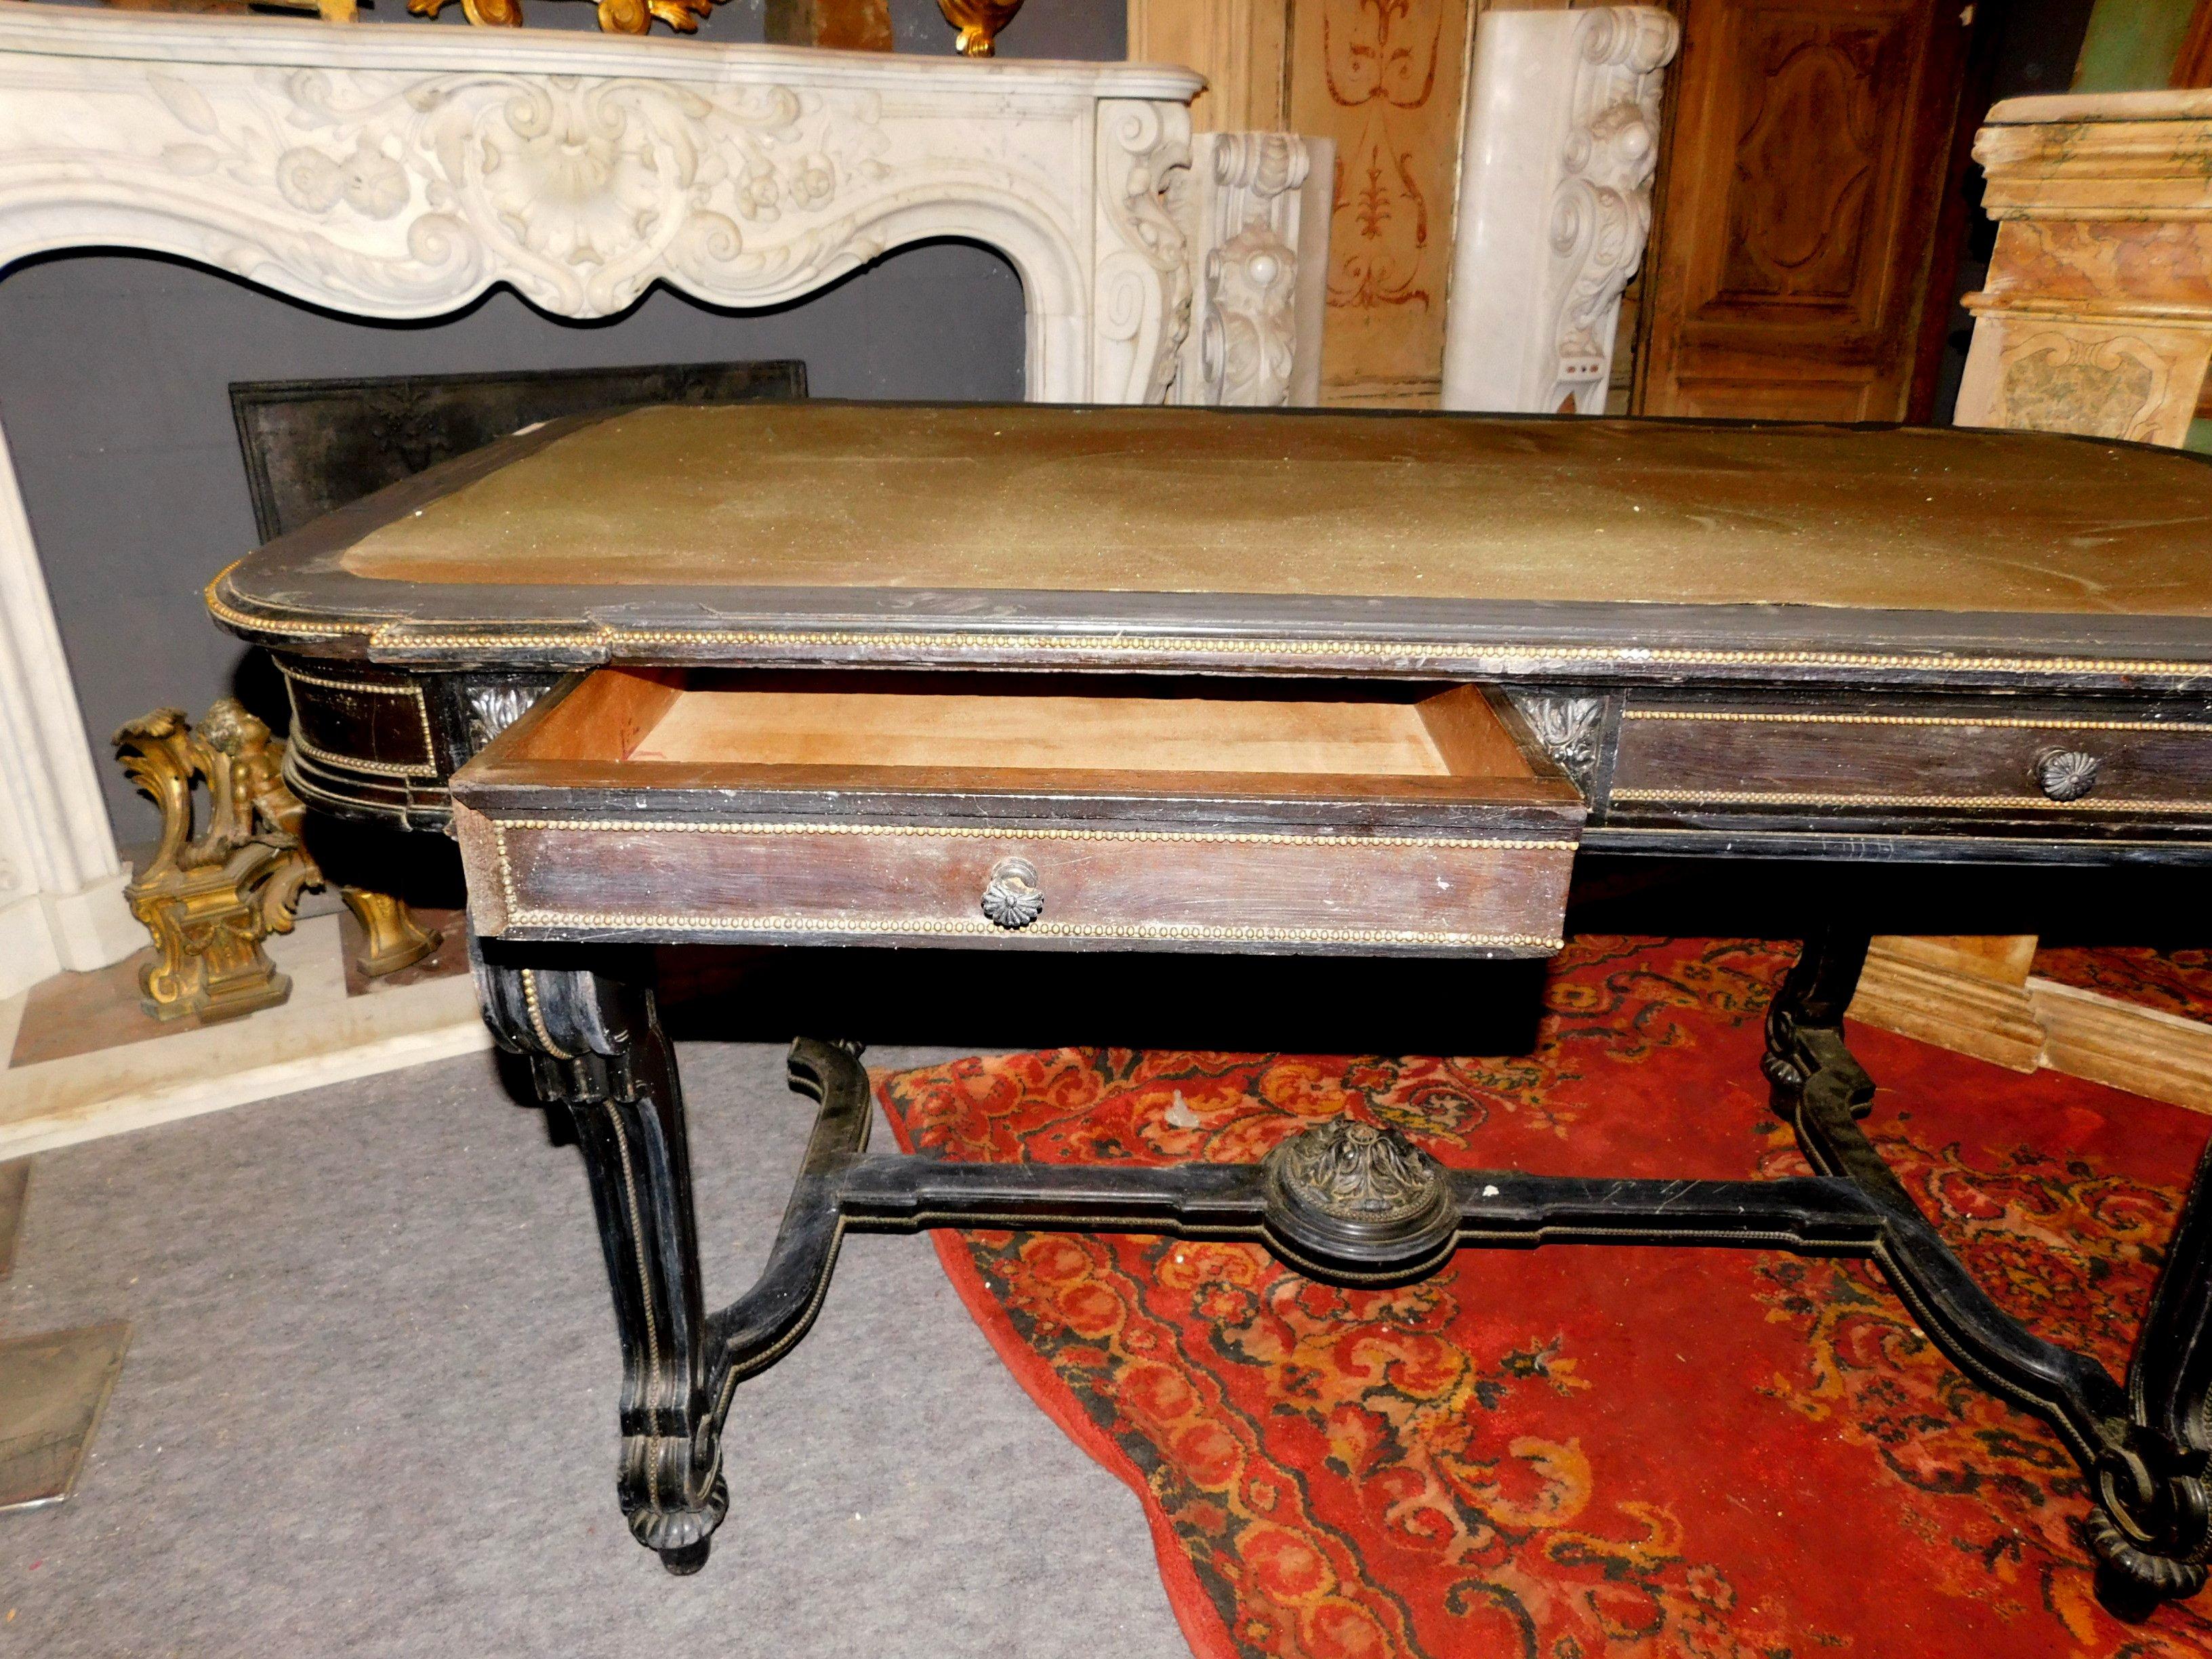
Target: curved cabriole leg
(2144,1449)
(2151,1529)
(595,1048)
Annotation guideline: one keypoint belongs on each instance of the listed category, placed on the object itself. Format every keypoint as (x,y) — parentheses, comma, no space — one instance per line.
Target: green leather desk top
(669,520)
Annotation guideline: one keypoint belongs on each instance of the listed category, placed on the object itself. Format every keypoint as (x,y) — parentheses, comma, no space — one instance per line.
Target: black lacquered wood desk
(1034,678)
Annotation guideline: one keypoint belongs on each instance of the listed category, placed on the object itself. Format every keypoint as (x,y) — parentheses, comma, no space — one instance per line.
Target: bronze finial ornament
(979,23)
(1361,1200)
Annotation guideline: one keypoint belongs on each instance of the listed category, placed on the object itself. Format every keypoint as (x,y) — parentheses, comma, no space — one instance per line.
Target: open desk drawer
(1054,811)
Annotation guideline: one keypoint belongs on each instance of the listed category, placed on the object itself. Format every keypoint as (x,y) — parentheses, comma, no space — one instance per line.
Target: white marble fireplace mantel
(396,171)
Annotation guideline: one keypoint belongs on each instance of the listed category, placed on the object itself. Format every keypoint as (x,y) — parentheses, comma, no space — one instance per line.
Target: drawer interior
(1319,737)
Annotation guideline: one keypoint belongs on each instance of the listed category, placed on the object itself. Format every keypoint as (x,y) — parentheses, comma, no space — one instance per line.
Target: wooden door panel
(1801,193)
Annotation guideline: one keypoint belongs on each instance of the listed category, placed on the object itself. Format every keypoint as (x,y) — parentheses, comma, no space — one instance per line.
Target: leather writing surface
(1128,500)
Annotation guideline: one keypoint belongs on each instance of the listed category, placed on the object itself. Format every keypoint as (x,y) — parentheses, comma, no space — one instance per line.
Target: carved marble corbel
(1555,204)
(1142,298)
(1251,340)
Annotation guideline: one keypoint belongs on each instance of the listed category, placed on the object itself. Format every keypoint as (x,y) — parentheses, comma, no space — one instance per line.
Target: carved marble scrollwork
(398,172)
(580,191)
(1143,282)
(1555,204)
(1602,210)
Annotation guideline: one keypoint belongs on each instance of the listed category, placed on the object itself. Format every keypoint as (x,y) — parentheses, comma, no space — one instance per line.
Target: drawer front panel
(1120,888)
(377,727)
(1800,761)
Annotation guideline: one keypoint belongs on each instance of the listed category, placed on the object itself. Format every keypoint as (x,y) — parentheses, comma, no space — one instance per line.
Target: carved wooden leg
(2151,1528)
(1805,1025)
(595,1047)
(2144,1449)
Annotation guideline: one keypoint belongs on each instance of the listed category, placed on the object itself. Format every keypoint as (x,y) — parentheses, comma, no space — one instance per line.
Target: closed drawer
(1044,813)
(2002,760)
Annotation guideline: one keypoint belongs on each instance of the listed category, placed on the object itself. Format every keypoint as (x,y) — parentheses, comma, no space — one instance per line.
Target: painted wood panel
(1385,79)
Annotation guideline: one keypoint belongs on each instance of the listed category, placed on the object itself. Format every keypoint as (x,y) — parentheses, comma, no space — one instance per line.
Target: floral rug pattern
(1576,1451)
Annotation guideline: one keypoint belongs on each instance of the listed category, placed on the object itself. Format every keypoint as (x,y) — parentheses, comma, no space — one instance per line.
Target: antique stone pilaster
(1555,204)
(61,882)
(2096,316)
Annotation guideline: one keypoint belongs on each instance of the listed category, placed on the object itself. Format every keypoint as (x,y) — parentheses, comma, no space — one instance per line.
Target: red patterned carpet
(1583,1451)
(2173,981)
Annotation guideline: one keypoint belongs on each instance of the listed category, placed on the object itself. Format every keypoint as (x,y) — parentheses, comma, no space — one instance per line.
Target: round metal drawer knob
(2065,774)
(1011,897)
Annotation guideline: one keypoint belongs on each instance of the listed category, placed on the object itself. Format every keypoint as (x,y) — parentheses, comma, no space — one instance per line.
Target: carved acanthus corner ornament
(1555,204)
(494,705)
(1570,727)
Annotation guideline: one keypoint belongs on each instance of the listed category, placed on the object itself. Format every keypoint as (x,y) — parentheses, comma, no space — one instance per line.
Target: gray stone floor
(368,1409)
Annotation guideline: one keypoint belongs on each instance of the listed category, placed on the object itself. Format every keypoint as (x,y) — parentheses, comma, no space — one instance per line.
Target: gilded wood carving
(979,23)
(615,16)
(210,898)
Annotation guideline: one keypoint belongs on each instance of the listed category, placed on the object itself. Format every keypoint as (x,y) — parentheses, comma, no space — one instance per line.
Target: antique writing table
(1034,678)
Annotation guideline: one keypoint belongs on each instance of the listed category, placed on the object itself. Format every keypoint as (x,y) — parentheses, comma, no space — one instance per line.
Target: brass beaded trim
(394,635)
(518,914)
(973,832)
(403,689)
(1781,797)
(944,927)
(2053,725)
(538,1016)
(382,769)
(224,612)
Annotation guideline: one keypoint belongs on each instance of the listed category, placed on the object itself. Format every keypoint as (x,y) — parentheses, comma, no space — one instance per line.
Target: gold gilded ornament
(979,23)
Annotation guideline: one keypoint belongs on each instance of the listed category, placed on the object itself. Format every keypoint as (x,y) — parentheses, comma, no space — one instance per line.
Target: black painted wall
(114,370)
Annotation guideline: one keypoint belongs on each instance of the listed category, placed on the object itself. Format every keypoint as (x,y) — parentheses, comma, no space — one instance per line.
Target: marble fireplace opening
(114,377)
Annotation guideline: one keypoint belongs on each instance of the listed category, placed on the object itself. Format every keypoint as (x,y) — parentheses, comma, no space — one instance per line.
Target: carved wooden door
(1799,196)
